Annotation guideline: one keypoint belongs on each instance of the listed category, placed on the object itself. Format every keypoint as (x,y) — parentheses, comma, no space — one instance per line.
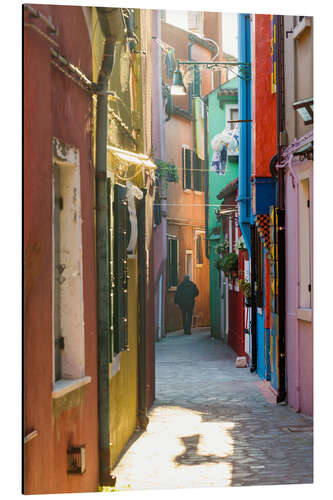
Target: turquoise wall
(216,123)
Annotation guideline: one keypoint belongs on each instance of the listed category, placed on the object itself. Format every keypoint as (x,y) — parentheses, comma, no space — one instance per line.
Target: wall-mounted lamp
(178,87)
(305,109)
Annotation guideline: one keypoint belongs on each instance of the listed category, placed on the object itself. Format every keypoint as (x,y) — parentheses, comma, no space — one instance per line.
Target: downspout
(281,212)
(245,151)
(102,258)
(254,302)
(189,55)
(206,163)
(142,294)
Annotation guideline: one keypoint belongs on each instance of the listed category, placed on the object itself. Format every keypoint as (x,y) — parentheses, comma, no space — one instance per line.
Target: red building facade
(60,397)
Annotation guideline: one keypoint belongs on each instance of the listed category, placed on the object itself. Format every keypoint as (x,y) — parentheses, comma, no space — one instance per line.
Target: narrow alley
(212,425)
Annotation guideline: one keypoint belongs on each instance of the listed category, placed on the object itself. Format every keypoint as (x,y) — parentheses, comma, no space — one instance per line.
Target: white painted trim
(304,314)
(64,386)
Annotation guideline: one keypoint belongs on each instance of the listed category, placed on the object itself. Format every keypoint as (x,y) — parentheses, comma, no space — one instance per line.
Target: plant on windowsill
(165,171)
(228,264)
(245,288)
(240,244)
(223,247)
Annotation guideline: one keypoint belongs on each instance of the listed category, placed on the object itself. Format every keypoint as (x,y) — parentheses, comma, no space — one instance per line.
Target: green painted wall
(216,123)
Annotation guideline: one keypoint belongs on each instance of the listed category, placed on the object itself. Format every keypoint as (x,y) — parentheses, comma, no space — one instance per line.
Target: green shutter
(174,256)
(188,169)
(197,172)
(196,82)
(120,269)
(172,262)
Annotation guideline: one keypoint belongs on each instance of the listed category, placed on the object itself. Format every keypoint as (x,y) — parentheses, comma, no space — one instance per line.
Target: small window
(231,115)
(305,244)
(197,173)
(173,260)
(68,324)
(187,168)
(198,249)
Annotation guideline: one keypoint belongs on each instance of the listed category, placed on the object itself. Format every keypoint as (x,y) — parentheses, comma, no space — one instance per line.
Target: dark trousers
(187,319)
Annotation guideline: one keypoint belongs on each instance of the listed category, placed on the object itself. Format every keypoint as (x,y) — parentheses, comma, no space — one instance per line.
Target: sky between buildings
(229,28)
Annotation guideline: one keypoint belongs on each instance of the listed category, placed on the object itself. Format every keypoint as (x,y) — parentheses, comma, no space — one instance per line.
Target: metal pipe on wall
(281,210)
(102,258)
(254,301)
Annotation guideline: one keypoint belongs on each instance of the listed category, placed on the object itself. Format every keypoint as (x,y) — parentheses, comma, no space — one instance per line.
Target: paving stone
(211,426)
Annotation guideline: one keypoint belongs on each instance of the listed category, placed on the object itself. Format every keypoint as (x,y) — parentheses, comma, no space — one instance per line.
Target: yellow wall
(124,386)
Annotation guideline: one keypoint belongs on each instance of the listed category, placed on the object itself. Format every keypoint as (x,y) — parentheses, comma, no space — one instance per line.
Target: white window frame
(73,376)
(305,239)
(196,232)
(189,252)
(228,108)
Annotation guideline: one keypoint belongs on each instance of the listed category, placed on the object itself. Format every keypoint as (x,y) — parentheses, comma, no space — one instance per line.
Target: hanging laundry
(219,161)
(170,63)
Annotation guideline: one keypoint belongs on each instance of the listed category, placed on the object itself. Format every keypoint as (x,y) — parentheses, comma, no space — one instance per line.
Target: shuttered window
(197,173)
(187,168)
(196,86)
(120,269)
(172,262)
(198,250)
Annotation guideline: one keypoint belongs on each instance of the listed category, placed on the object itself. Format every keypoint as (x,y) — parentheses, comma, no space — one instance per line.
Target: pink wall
(291,293)
(299,334)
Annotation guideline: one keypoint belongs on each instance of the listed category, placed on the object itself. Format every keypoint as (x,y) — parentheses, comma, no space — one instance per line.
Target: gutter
(206,163)
(102,258)
(245,152)
(281,217)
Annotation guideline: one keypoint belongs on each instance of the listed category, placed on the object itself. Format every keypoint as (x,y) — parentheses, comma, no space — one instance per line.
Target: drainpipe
(245,150)
(102,258)
(189,55)
(142,294)
(254,302)
(281,210)
(206,163)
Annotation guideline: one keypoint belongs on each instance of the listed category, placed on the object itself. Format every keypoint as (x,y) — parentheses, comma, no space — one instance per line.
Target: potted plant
(240,244)
(245,288)
(228,264)
(223,247)
(220,263)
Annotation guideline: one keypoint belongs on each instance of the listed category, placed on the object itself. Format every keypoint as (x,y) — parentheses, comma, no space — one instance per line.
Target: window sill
(301,28)
(64,386)
(304,314)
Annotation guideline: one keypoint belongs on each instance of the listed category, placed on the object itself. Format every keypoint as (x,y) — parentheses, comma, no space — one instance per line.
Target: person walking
(184,298)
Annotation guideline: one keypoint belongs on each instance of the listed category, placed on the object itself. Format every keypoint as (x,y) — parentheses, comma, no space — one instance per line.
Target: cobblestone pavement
(211,426)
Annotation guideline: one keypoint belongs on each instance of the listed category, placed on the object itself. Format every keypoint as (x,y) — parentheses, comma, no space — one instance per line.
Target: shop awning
(128,165)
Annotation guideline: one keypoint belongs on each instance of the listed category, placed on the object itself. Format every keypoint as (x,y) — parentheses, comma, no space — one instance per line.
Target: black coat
(185,294)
